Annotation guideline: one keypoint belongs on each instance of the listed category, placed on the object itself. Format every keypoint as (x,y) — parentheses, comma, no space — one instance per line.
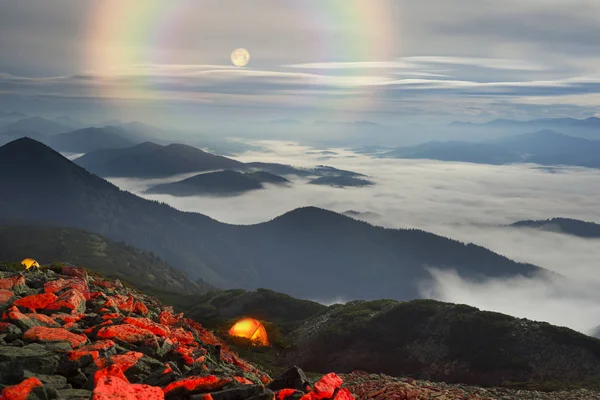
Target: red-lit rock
(186,353)
(102,283)
(114,388)
(64,284)
(37,301)
(112,371)
(22,390)
(77,354)
(123,361)
(94,350)
(44,334)
(71,301)
(343,394)
(243,380)
(75,272)
(5,296)
(197,384)
(18,318)
(285,393)
(326,386)
(167,369)
(157,329)
(167,318)
(111,316)
(13,281)
(42,319)
(67,318)
(140,308)
(126,333)
(182,336)
(4,326)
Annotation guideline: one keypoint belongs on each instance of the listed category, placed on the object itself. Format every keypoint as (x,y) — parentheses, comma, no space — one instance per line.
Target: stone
(44,334)
(25,390)
(11,331)
(157,329)
(143,368)
(49,381)
(126,333)
(34,358)
(239,393)
(57,286)
(293,378)
(36,302)
(12,282)
(194,385)
(6,296)
(74,272)
(72,302)
(74,394)
(114,388)
(326,386)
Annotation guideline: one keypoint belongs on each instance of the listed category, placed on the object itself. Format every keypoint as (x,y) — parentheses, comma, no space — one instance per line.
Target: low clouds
(466,202)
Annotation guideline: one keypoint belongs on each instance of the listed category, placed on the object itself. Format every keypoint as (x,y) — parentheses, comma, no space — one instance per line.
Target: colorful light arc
(140,27)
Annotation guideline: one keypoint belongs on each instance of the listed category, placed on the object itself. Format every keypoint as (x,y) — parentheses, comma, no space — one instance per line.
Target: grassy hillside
(445,342)
(49,244)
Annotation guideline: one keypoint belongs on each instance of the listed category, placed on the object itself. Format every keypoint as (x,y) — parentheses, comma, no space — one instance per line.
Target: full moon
(240,57)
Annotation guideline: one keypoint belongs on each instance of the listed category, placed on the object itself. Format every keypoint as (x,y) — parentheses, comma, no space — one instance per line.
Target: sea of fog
(466,202)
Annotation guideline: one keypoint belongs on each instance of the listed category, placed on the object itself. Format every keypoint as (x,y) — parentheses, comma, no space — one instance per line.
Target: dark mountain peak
(313,217)
(25,146)
(180,146)
(40,167)
(147,146)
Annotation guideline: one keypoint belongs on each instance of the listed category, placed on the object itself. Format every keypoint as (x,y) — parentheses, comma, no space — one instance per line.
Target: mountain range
(308,252)
(150,160)
(544,147)
(544,123)
(567,226)
(90,139)
(39,125)
(226,182)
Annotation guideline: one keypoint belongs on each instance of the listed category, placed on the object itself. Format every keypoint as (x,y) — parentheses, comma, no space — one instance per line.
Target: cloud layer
(466,202)
(381,58)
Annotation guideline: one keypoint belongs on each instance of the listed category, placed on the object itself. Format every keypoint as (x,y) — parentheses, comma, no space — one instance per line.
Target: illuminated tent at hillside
(252,329)
(30,263)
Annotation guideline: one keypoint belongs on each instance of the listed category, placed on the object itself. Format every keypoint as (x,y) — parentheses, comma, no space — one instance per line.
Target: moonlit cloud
(497,58)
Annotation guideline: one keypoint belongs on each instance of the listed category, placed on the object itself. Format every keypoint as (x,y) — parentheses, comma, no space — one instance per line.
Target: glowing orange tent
(252,329)
(30,263)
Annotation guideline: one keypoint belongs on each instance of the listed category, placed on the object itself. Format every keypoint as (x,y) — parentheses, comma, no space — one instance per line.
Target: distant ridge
(563,225)
(308,252)
(150,160)
(90,139)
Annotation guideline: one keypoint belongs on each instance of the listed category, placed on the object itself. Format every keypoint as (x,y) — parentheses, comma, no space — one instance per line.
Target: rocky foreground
(67,335)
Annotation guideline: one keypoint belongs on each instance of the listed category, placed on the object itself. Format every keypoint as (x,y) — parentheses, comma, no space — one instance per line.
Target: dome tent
(30,263)
(252,329)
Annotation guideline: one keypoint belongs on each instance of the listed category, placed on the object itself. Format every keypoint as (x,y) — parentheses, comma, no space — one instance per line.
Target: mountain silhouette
(308,252)
(545,147)
(150,160)
(38,124)
(567,226)
(216,183)
(90,139)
